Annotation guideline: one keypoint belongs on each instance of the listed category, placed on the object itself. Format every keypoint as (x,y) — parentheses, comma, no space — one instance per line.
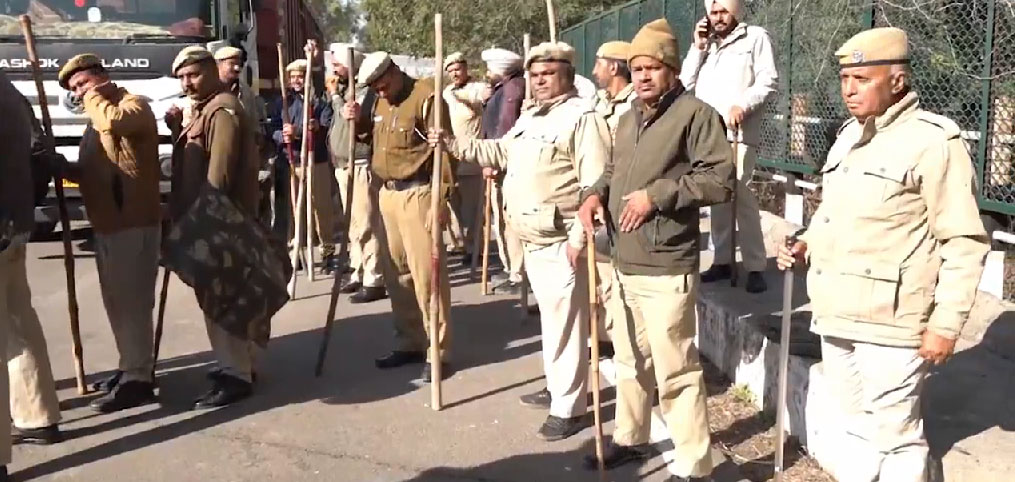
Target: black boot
(126,395)
(368,294)
(716,272)
(615,455)
(37,436)
(225,390)
(556,428)
(540,400)
(330,264)
(756,282)
(107,385)
(350,288)
(446,372)
(397,359)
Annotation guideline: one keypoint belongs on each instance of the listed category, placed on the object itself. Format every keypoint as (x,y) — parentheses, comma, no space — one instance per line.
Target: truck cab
(137,41)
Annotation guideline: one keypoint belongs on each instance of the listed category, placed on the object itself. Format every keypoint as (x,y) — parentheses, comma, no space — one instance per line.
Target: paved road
(353,424)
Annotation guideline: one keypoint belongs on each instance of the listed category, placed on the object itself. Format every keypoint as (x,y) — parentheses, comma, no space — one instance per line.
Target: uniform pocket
(883,182)
(543,220)
(867,292)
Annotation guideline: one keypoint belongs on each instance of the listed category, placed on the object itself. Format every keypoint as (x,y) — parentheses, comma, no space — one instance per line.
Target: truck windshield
(109,19)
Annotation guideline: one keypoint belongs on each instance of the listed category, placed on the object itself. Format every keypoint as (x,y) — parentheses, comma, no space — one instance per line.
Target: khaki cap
(615,50)
(228,52)
(877,46)
(455,58)
(656,40)
(190,55)
(551,52)
(374,66)
(298,65)
(75,65)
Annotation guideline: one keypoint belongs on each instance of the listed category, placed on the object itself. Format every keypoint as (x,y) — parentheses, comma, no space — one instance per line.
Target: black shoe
(508,288)
(226,390)
(37,436)
(108,384)
(605,350)
(350,287)
(677,478)
(396,359)
(556,428)
(331,265)
(446,372)
(540,399)
(368,294)
(615,455)
(716,272)
(128,394)
(3,474)
(756,282)
(467,259)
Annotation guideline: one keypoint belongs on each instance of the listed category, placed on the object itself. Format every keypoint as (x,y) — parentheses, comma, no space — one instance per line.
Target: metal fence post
(986,107)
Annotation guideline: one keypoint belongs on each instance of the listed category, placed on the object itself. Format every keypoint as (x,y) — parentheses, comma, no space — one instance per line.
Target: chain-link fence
(963,62)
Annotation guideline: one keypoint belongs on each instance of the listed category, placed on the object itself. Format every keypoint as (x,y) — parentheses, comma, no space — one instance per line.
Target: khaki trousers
(407,264)
(562,294)
(471,201)
(879,389)
(749,237)
(362,229)
(508,243)
(654,344)
(128,264)
(605,312)
(33,401)
(236,357)
(324,210)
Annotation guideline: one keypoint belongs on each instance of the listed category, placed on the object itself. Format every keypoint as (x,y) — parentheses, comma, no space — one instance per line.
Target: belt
(405,184)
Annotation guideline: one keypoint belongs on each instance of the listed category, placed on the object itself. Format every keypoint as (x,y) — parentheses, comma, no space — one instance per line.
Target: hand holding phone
(702,33)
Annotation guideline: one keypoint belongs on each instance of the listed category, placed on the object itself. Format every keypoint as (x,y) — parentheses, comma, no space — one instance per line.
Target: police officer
(217,148)
(402,160)
(895,254)
(557,149)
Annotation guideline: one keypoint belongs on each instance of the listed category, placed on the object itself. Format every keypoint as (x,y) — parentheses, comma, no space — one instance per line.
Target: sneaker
(615,455)
(756,282)
(540,399)
(126,395)
(556,428)
(716,272)
(37,436)
(226,390)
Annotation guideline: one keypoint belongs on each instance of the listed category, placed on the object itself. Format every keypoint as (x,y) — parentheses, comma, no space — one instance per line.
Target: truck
(137,41)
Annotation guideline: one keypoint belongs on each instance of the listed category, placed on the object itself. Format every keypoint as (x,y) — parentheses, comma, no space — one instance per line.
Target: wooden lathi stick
(68,250)
(590,253)
(436,230)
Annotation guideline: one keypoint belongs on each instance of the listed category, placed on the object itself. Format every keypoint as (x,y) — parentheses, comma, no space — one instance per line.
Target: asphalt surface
(355,423)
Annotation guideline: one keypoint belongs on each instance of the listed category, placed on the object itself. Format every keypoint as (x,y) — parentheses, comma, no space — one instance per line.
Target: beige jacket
(613,108)
(897,245)
(741,71)
(554,152)
(466,107)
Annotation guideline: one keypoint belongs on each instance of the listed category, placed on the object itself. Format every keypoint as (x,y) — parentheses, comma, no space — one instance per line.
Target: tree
(404,27)
(338,19)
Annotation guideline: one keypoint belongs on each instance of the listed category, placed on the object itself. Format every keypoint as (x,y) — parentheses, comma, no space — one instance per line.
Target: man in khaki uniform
(403,162)
(216,148)
(731,66)
(556,150)
(119,177)
(465,100)
(896,251)
(613,100)
(366,283)
(671,158)
(27,383)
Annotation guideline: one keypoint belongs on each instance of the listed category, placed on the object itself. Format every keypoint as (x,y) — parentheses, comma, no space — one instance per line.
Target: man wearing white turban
(731,66)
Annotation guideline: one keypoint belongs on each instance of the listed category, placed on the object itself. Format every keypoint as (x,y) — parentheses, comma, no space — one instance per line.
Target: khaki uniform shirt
(897,244)
(465,105)
(554,151)
(740,70)
(613,108)
(119,157)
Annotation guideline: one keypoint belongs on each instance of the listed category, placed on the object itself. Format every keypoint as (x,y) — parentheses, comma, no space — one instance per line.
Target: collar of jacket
(407,85)
(508,78)
(739,32)
(623,96)
(659,109)
(542,108)
(199,105)
(909,103)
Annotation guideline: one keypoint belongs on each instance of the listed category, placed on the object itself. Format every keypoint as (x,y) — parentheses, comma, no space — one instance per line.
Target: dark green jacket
(338,136)
(680,156)
(16,191)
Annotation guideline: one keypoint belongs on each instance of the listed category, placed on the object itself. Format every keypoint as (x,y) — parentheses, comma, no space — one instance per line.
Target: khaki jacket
(217,148)
(739,71)
(613,108)
(897,245)
(119,158)
(554,152)
(465,104)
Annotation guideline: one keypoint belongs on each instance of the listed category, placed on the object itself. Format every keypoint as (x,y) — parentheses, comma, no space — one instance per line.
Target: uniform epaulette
(950,128)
